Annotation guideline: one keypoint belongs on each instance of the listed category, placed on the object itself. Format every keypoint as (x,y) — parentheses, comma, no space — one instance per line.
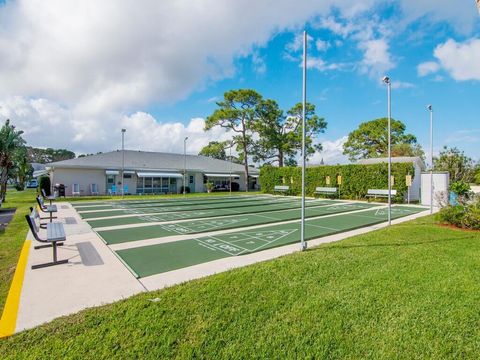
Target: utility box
(441,183)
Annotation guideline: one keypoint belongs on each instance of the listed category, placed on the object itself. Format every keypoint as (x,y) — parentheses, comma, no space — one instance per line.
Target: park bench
(55,237)
(281,189)
(49,197)
(381,193)
(50,209)
(326,190)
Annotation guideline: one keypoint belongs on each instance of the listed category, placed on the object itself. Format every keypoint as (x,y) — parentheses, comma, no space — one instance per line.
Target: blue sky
(158,69)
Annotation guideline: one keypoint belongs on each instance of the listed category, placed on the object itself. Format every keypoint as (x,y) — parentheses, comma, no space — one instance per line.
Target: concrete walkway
(95,276)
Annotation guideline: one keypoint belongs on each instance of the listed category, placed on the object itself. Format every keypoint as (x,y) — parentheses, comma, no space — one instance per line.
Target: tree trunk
(245,154)
(3,183)
(280,158)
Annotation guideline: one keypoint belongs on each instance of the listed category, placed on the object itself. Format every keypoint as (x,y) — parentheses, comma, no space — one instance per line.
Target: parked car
(32,184)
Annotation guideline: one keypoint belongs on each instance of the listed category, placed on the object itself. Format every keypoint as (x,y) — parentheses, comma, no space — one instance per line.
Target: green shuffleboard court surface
(177,202)
(216,212)
(161,199)
(123,235)
(156,259)
(191,207)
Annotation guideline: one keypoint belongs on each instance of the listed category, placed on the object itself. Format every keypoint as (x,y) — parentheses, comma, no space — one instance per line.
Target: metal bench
(48,197)
(50,209)
(382,193)
(281,189)
(326,190)
(55,237)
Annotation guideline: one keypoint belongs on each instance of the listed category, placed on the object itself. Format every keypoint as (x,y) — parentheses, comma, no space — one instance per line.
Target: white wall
(440,184)
(83,177)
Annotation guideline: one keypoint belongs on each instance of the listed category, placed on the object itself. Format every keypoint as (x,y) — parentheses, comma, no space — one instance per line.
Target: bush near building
(355,179)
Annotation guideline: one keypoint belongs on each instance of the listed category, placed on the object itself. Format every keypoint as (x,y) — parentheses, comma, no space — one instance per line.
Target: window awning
(129,172)
(111,172)
(159,174)
(39,173)
(221,175)
(253,176)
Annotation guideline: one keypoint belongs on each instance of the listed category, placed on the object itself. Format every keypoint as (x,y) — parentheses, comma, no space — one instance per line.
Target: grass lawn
(411,291)
(11,240)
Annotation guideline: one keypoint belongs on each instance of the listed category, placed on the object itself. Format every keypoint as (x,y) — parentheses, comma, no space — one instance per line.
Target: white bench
(281,188)
(326,190)
(382,193)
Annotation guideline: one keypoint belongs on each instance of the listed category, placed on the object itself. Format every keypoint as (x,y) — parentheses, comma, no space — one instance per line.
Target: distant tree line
(48,155)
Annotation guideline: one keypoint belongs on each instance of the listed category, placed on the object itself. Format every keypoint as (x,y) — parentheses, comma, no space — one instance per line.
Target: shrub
(471,220)
(460,188)
(19,186)
(356,179)
(477,177)
(452,215)
(44,183)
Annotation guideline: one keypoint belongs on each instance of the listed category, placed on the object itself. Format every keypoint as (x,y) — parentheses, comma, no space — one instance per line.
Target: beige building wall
(83,177)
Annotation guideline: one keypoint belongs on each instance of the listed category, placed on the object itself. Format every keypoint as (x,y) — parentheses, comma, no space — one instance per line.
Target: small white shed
(441,183)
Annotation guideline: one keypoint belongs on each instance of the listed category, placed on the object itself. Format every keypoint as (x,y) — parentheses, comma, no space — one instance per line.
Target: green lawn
(411,291)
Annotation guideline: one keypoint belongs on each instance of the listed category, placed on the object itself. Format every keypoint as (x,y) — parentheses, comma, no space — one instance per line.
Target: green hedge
(356,179)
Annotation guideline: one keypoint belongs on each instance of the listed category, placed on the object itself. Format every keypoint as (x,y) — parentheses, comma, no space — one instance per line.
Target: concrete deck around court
(52,292)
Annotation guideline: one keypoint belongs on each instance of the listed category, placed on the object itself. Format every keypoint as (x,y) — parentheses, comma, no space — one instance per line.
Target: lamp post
(430,110)
(387,81)
(185,165)
(231,145)
(123,158)
(303,244)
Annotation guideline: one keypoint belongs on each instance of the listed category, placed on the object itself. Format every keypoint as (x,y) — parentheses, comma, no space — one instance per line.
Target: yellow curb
(8,321)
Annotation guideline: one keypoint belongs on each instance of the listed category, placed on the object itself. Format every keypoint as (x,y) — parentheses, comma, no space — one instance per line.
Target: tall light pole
(430,110)
(387,81)
(231,145)
(185,165)
(123,158)
(303,244)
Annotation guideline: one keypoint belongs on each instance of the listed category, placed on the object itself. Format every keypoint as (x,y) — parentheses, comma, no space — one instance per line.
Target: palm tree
(10,141)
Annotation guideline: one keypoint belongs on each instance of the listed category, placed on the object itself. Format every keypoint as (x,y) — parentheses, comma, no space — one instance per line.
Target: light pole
(387,81)
(185,165)
(123,158)
(430,110)
(303,244)
(231,145)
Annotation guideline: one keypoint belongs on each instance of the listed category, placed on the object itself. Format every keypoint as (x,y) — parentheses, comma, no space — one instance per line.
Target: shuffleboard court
(184,202)
(123,235)
(196,207)
(156,259)
(160,199)
(215,212)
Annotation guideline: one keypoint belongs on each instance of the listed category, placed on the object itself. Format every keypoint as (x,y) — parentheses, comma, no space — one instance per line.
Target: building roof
(400,159)
(144,160)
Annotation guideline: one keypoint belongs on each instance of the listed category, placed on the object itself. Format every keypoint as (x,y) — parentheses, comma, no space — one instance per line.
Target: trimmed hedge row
(356,179)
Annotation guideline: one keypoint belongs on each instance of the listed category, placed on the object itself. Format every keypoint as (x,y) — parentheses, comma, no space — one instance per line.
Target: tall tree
(215,149)
(371,139)
(44,156)
(459,165)
(237,112)
(10,141)
(407,150)
(280,136)
(22,169)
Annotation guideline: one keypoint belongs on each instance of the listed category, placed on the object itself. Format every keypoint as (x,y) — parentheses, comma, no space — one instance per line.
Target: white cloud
(322,45)
(376,59)
(402,85)
(47,124)
(331,154)
(427,68)
(460,59)
(258,62)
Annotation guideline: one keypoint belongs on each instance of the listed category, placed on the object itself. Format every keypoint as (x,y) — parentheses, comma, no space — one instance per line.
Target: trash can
(60,190)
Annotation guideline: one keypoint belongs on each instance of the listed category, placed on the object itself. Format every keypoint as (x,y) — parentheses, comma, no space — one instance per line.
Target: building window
(190,180)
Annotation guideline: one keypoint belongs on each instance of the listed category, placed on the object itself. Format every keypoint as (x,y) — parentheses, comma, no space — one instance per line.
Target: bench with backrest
(381,193)
(48,197)
(50,209)
(326,190)
(281,189)
(55,237)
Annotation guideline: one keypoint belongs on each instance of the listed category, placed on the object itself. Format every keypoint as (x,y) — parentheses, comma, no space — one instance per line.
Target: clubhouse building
(147,173)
